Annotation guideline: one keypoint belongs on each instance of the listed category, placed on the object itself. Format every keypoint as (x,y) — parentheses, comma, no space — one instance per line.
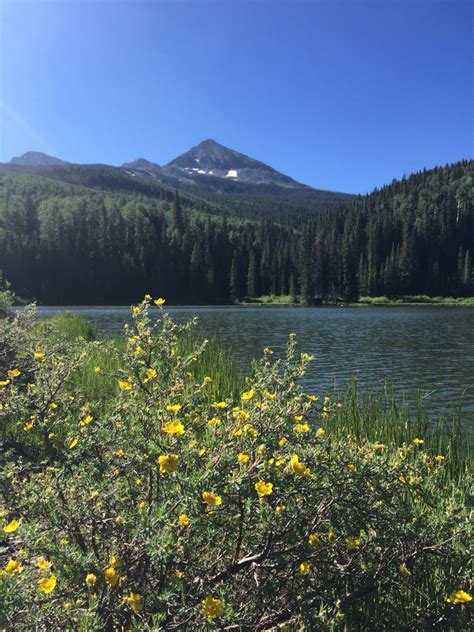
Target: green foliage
(173,507)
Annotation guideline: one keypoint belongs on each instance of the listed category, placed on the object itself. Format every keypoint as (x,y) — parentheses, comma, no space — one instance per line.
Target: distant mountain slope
(223,181)
(36,159)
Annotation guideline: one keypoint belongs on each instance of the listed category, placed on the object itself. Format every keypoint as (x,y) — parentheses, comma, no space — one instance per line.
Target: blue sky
(342,95)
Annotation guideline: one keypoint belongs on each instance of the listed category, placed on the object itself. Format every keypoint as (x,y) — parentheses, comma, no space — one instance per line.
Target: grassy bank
(147,483)
(418,299)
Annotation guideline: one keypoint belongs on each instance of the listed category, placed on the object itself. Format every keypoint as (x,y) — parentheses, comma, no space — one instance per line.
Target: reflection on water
(426,349)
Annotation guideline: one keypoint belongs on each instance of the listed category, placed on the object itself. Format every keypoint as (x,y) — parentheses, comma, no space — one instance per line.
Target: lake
(419,349)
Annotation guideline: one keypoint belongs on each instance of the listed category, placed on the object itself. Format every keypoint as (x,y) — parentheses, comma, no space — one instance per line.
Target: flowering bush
(164,508)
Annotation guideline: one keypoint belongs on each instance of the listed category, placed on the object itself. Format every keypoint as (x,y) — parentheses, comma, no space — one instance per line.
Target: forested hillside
(63,243)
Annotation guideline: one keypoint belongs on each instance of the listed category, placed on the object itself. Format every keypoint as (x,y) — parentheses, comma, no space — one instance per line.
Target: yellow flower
(214,421)
(267,351)
(91,579)
(211,499)
(207,379)
(320,432)
(120,452)
(300,428)
(268,395)
(39,356)
(459,596)
(147,297)
(28,426)
(440,458)
(174,427)
(43,564)
(417,441)
(124,385)
(4,382)
(298,417)
(247,394)
(135,310)
(313,398)
(379,446)
(97,369)
(351,467)
(282,441)
(212,608)
(151,374)
(168,463)
(53,405)
(141,505)
(315,540)
(12,526)
(263,489)
(111,576)
(404,570)
(352,543)
(173,408)
(184,520)
(47,584)
(73,443)
(134,600)
(243,458)
(331,536)
(179,574)
(220,404)
(306,357)
(298,467)
(14,373)
(12,566)
(305,568)
(159,301)
(119,520)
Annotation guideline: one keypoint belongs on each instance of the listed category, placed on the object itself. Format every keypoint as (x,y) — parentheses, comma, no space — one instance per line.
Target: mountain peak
(141,163)
(210,158)
(36,159)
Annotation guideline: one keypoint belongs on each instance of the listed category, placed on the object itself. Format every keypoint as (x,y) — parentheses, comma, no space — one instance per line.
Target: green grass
(271,299)
(417,299)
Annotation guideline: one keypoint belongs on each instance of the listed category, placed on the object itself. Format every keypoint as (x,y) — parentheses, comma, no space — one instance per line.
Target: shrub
(169,509)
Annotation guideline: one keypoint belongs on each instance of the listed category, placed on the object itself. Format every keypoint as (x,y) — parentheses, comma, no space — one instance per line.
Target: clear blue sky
(342,95)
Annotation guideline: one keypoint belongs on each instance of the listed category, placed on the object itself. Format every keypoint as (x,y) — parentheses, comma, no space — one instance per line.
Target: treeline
(65,244)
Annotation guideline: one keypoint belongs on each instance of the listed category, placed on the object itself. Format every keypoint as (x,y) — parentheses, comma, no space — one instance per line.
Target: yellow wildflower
(267,351)
(439,458)
(298,467)
(312,398)
(174,427)
(86,421)
(418,441)
(168,463)
(282,441)
(179,574)
(406,572)
(28,426)
(91,579)
(247,394)
(39,356)
(220,404)
(280,509)
(300,428)
(306,357)
(73,443)
(320,432)
(159,301)
(207,379)
(135,309)
(184,519)
(331,536)
(214,421)
(53,405)
(459,596)
(243,458)
(14,373)
(314,539)
(12,526)
(211,499)
(12,566)
(352,543)
(212,608)
(134,600)
(47,584)
(111,576)
(305,568)
(147,297)
(4,382)
(351,467)
(298,417)
(151,374)
(268,395)
(173,408)
(97,369)
(43,564)
(263,489)
(124,385)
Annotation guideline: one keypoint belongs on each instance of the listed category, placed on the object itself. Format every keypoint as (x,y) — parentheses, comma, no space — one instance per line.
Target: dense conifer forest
(70,243)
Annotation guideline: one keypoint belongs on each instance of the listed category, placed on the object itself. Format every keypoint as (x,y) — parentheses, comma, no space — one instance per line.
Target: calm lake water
(426,349)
